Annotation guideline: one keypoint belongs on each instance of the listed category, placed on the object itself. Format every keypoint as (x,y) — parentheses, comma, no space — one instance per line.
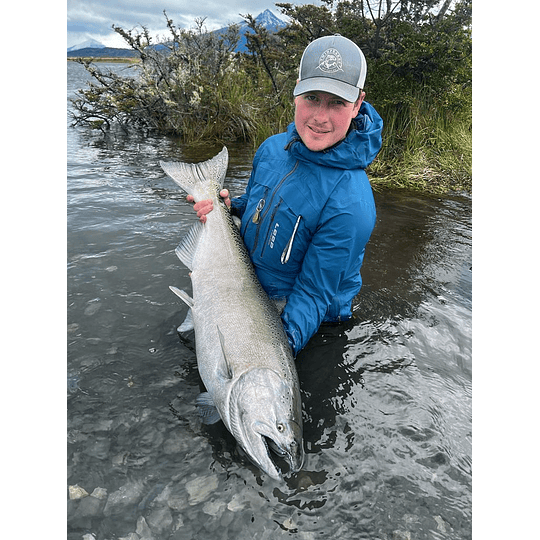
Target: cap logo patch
(330,61)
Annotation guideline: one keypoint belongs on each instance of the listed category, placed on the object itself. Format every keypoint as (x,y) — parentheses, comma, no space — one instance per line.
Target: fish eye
(280,428)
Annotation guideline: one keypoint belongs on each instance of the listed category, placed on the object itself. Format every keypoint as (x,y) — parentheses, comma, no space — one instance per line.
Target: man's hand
(203,207)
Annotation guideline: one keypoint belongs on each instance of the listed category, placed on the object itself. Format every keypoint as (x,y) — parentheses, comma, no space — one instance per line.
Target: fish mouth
(272,458)
(292,457)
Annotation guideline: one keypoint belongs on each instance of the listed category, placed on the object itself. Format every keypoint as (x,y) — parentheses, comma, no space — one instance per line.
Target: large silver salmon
(243,355)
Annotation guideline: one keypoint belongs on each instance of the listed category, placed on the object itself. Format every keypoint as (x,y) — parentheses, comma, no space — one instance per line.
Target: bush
(197,87)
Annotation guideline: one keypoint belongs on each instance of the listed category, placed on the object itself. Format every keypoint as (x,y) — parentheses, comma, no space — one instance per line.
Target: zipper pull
(288,248)
(257,214)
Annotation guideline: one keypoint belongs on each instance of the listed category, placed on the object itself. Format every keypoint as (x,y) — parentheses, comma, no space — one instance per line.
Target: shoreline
(117,59)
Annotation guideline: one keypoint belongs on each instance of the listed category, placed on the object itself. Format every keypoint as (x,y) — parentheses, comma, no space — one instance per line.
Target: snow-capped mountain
(270,21)
(266,19)
(93,48)
(88,44)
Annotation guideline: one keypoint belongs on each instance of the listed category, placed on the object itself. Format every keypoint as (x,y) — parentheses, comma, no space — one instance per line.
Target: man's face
(323,119)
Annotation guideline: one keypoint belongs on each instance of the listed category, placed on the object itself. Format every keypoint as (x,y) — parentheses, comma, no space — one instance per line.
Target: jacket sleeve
(336,252)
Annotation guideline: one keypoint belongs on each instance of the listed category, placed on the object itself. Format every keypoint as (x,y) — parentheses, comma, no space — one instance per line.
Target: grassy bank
(425,148)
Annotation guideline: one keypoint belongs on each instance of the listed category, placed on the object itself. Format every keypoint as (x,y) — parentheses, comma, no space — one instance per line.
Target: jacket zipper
(288,248)
(268,206)
(272,217)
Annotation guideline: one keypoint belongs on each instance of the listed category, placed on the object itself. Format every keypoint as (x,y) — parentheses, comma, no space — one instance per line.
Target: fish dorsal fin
(226,367)
(188,246)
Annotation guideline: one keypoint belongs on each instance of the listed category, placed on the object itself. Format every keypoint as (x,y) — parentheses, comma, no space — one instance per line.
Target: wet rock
(130,536)
(238,502)
(125,496)
(143,530)
(77,492)
(99,493)
(93,307)
(98,448)
(401,535)
(201,488)
(289,524)
(226,519)
(214,508)
(175,496)
(89,507)
(175,444)
(442,525)
(160,520)
(72,505)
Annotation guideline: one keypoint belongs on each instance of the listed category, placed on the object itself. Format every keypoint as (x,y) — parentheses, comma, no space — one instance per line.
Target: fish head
(265,413)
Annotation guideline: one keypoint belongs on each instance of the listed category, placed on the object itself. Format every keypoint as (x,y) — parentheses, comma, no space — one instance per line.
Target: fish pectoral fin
(207,410)
(183,295)
(227,371)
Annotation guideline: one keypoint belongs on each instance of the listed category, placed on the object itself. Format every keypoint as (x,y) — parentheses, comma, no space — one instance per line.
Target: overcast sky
(93,19)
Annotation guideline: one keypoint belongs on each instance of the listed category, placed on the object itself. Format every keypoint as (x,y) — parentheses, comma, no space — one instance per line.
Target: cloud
(94,18)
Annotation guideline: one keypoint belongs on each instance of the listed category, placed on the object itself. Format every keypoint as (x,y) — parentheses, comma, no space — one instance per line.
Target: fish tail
(201,180)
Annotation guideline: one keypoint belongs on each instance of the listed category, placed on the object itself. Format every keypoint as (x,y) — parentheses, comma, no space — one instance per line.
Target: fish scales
(243,355)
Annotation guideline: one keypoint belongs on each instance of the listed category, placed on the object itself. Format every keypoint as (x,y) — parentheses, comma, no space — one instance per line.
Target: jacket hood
(356,151)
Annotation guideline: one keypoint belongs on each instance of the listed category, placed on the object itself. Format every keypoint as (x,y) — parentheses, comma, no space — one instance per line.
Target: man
(308,210)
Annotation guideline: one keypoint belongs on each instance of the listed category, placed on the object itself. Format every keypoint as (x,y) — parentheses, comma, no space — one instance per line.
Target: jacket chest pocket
(286,240)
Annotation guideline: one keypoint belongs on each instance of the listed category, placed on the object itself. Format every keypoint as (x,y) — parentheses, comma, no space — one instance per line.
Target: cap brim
(326,84)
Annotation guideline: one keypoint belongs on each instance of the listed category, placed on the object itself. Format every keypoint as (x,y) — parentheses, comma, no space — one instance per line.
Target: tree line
(194,85)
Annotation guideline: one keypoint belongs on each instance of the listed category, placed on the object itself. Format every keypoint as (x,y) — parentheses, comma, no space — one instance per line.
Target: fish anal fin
(187,325)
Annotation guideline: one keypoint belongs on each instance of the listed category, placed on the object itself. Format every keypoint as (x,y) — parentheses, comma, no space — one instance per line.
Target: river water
(386,399)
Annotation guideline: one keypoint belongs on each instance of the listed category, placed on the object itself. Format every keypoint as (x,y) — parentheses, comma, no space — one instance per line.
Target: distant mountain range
(94,49)
(88,44)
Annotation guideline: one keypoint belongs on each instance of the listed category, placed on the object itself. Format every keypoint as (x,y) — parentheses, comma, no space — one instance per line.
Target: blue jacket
(306,219)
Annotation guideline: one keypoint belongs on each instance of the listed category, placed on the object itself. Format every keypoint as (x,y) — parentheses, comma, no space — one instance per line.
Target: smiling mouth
(318,131)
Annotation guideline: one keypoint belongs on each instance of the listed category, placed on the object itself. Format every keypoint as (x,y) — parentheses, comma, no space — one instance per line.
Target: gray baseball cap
(332,64)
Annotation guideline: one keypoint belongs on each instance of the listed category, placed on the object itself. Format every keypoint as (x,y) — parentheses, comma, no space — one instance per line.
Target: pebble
(143,530)
(99,493)
(98,447)
(441,526)
(126,495)
(175,443)
(237,503)
(214,508)
(89,507)
(200,488)
(92,308)
(160,519)
(401,535)
(77,492)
